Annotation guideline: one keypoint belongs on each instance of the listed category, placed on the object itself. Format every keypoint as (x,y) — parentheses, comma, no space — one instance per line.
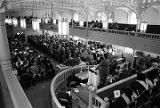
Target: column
(105,22)
(138,23)
(87,26)
(134,53)
(4,46)
(113,17)
(72,20)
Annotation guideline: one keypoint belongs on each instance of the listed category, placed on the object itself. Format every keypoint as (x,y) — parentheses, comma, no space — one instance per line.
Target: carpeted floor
(39,95)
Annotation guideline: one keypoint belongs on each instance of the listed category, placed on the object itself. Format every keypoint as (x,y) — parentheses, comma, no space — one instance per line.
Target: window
(133,19)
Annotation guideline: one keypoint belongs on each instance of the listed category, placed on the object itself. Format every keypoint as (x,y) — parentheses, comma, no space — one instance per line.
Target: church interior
(80,53)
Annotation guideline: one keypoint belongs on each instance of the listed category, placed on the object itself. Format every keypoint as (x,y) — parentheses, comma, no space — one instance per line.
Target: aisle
(39,95)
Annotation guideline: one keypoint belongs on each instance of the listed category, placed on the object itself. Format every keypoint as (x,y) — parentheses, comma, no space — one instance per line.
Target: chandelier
(23,23)
(35,24)
(14,22)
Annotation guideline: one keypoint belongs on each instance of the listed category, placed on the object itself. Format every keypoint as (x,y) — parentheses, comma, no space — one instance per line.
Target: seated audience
(30,65)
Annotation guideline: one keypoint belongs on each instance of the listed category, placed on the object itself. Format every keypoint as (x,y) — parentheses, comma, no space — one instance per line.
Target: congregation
(68,49)
(33,66)
(29,65)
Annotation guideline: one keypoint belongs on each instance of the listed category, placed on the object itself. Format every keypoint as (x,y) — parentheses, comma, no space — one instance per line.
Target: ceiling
(78,5)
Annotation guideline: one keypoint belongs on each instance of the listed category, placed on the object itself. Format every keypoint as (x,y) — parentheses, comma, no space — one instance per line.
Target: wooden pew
(108,90)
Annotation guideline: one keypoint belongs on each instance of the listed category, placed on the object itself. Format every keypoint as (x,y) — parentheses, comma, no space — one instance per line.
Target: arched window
(133,19)
(76,17)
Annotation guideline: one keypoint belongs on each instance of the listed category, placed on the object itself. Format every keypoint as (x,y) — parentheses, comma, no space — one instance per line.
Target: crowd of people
(32,66)
(62,49)
(59,49)
(29,65)
(73,51)
(98,25)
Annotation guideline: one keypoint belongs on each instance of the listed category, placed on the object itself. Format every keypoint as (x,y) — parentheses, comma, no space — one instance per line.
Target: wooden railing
(108,90)
(148,35)
(61,77)
(96,96)
(96,100)
(57,80)
(123,32)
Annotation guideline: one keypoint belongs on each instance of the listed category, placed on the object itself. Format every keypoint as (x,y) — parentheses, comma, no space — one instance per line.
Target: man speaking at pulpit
(103,68)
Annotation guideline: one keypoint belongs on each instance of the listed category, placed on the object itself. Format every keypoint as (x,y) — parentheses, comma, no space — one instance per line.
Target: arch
(125,6)
(151,15)
(101,15)
(132,19)
(120,15)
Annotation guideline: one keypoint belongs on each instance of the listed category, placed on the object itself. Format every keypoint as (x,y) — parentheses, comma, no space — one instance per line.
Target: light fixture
(6,20)
(14,22)
(63,27)
(23,23)
(35,24)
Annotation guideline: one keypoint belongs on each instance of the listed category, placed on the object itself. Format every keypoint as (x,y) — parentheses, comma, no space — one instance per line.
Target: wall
(9,30)
(28,12)
(40,13)
(120,16)
(152,16)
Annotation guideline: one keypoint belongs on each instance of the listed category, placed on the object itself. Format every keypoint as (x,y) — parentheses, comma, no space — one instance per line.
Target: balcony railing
(123,32)
(61,77)
(108,90)
(13,94)
(95,97)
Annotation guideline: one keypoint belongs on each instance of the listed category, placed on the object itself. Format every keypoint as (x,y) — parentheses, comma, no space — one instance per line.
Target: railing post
(90,99)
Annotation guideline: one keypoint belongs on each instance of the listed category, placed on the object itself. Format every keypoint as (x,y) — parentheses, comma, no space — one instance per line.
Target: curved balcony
(84,102)
(90,99)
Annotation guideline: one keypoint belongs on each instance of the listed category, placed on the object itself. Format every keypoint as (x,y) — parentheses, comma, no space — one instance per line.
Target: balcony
(135,40)
(139,41)
(86,97)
